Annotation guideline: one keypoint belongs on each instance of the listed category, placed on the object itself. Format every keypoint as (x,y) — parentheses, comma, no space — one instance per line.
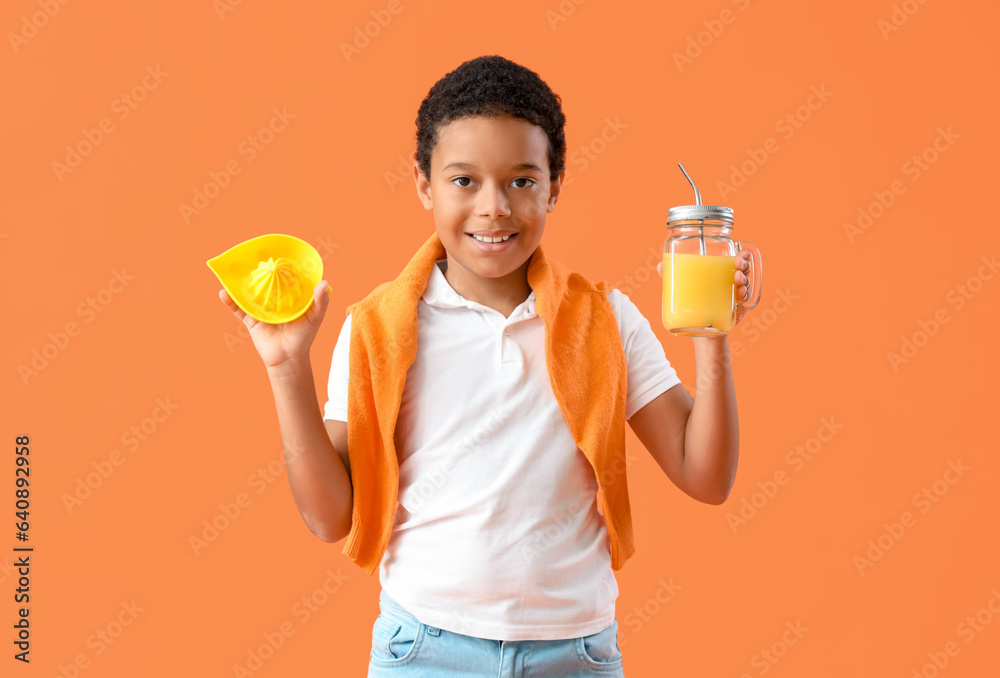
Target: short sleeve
(649,372)
(336,404)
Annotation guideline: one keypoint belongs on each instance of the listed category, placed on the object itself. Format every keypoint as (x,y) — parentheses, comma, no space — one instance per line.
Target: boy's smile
(489,178)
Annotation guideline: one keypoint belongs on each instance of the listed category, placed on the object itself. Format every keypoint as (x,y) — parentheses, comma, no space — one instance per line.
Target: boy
(473,449)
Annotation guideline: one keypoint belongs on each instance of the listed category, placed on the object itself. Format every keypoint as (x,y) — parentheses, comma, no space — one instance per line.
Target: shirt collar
(440,293)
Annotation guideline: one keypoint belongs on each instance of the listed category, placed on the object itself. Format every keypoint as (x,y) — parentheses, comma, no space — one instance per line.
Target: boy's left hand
(740,279)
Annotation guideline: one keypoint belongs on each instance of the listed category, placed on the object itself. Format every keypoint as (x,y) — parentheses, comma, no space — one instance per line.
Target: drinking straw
(697,201)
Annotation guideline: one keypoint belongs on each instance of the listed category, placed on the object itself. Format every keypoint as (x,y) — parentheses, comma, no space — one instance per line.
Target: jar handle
(756,277)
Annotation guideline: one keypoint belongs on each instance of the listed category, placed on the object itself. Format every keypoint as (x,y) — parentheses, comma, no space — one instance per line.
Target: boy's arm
(315,453)
(696,444)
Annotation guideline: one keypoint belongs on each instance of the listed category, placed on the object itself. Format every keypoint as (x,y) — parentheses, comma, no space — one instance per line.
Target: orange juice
(699,293)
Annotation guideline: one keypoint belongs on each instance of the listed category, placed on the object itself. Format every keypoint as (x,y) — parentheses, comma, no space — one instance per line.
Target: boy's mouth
(500,236)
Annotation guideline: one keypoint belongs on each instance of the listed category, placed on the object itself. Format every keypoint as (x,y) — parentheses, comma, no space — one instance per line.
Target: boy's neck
(502,294)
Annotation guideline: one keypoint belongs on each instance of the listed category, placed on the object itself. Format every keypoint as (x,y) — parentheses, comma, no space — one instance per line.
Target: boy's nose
(493,204)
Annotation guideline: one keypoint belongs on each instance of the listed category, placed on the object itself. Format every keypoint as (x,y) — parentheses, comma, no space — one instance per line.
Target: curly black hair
(491,86)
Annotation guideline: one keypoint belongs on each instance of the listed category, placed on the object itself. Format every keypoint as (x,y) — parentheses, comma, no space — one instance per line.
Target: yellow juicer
(271,277)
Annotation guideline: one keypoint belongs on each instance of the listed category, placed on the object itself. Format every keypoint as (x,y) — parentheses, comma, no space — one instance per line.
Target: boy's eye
(467,179)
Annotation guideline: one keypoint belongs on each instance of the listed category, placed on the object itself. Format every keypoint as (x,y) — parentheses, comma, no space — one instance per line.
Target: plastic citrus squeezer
(271,277)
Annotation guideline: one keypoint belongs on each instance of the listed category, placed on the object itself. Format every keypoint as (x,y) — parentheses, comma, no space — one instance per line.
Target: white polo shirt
(498,533)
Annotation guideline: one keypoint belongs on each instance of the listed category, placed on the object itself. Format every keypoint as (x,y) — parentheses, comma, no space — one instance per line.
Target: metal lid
(699,212)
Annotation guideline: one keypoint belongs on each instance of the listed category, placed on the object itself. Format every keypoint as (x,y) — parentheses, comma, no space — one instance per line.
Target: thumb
(321,300)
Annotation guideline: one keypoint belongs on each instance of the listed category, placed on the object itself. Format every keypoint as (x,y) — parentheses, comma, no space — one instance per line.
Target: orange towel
(587,370)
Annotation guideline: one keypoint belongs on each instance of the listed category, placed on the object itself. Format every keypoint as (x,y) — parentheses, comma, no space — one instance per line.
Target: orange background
(324,178)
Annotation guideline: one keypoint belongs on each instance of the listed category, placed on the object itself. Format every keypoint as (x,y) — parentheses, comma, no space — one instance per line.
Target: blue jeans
(402,646)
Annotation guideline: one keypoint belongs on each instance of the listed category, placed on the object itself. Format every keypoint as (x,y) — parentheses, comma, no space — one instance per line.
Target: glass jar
(699,272)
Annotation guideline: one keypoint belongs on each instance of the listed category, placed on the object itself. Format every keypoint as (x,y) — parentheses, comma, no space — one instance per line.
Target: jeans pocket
(395,639)
(601,649)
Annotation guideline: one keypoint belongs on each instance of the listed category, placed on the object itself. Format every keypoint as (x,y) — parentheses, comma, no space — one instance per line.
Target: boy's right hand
(277,344)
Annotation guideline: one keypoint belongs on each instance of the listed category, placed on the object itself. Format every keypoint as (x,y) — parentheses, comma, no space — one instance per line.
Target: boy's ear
(554,188)
(423,187)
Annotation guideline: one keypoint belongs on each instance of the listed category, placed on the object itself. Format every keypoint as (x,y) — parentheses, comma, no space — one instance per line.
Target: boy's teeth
(482,239)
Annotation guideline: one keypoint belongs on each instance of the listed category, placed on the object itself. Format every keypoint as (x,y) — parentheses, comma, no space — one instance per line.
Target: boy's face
(489,176)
